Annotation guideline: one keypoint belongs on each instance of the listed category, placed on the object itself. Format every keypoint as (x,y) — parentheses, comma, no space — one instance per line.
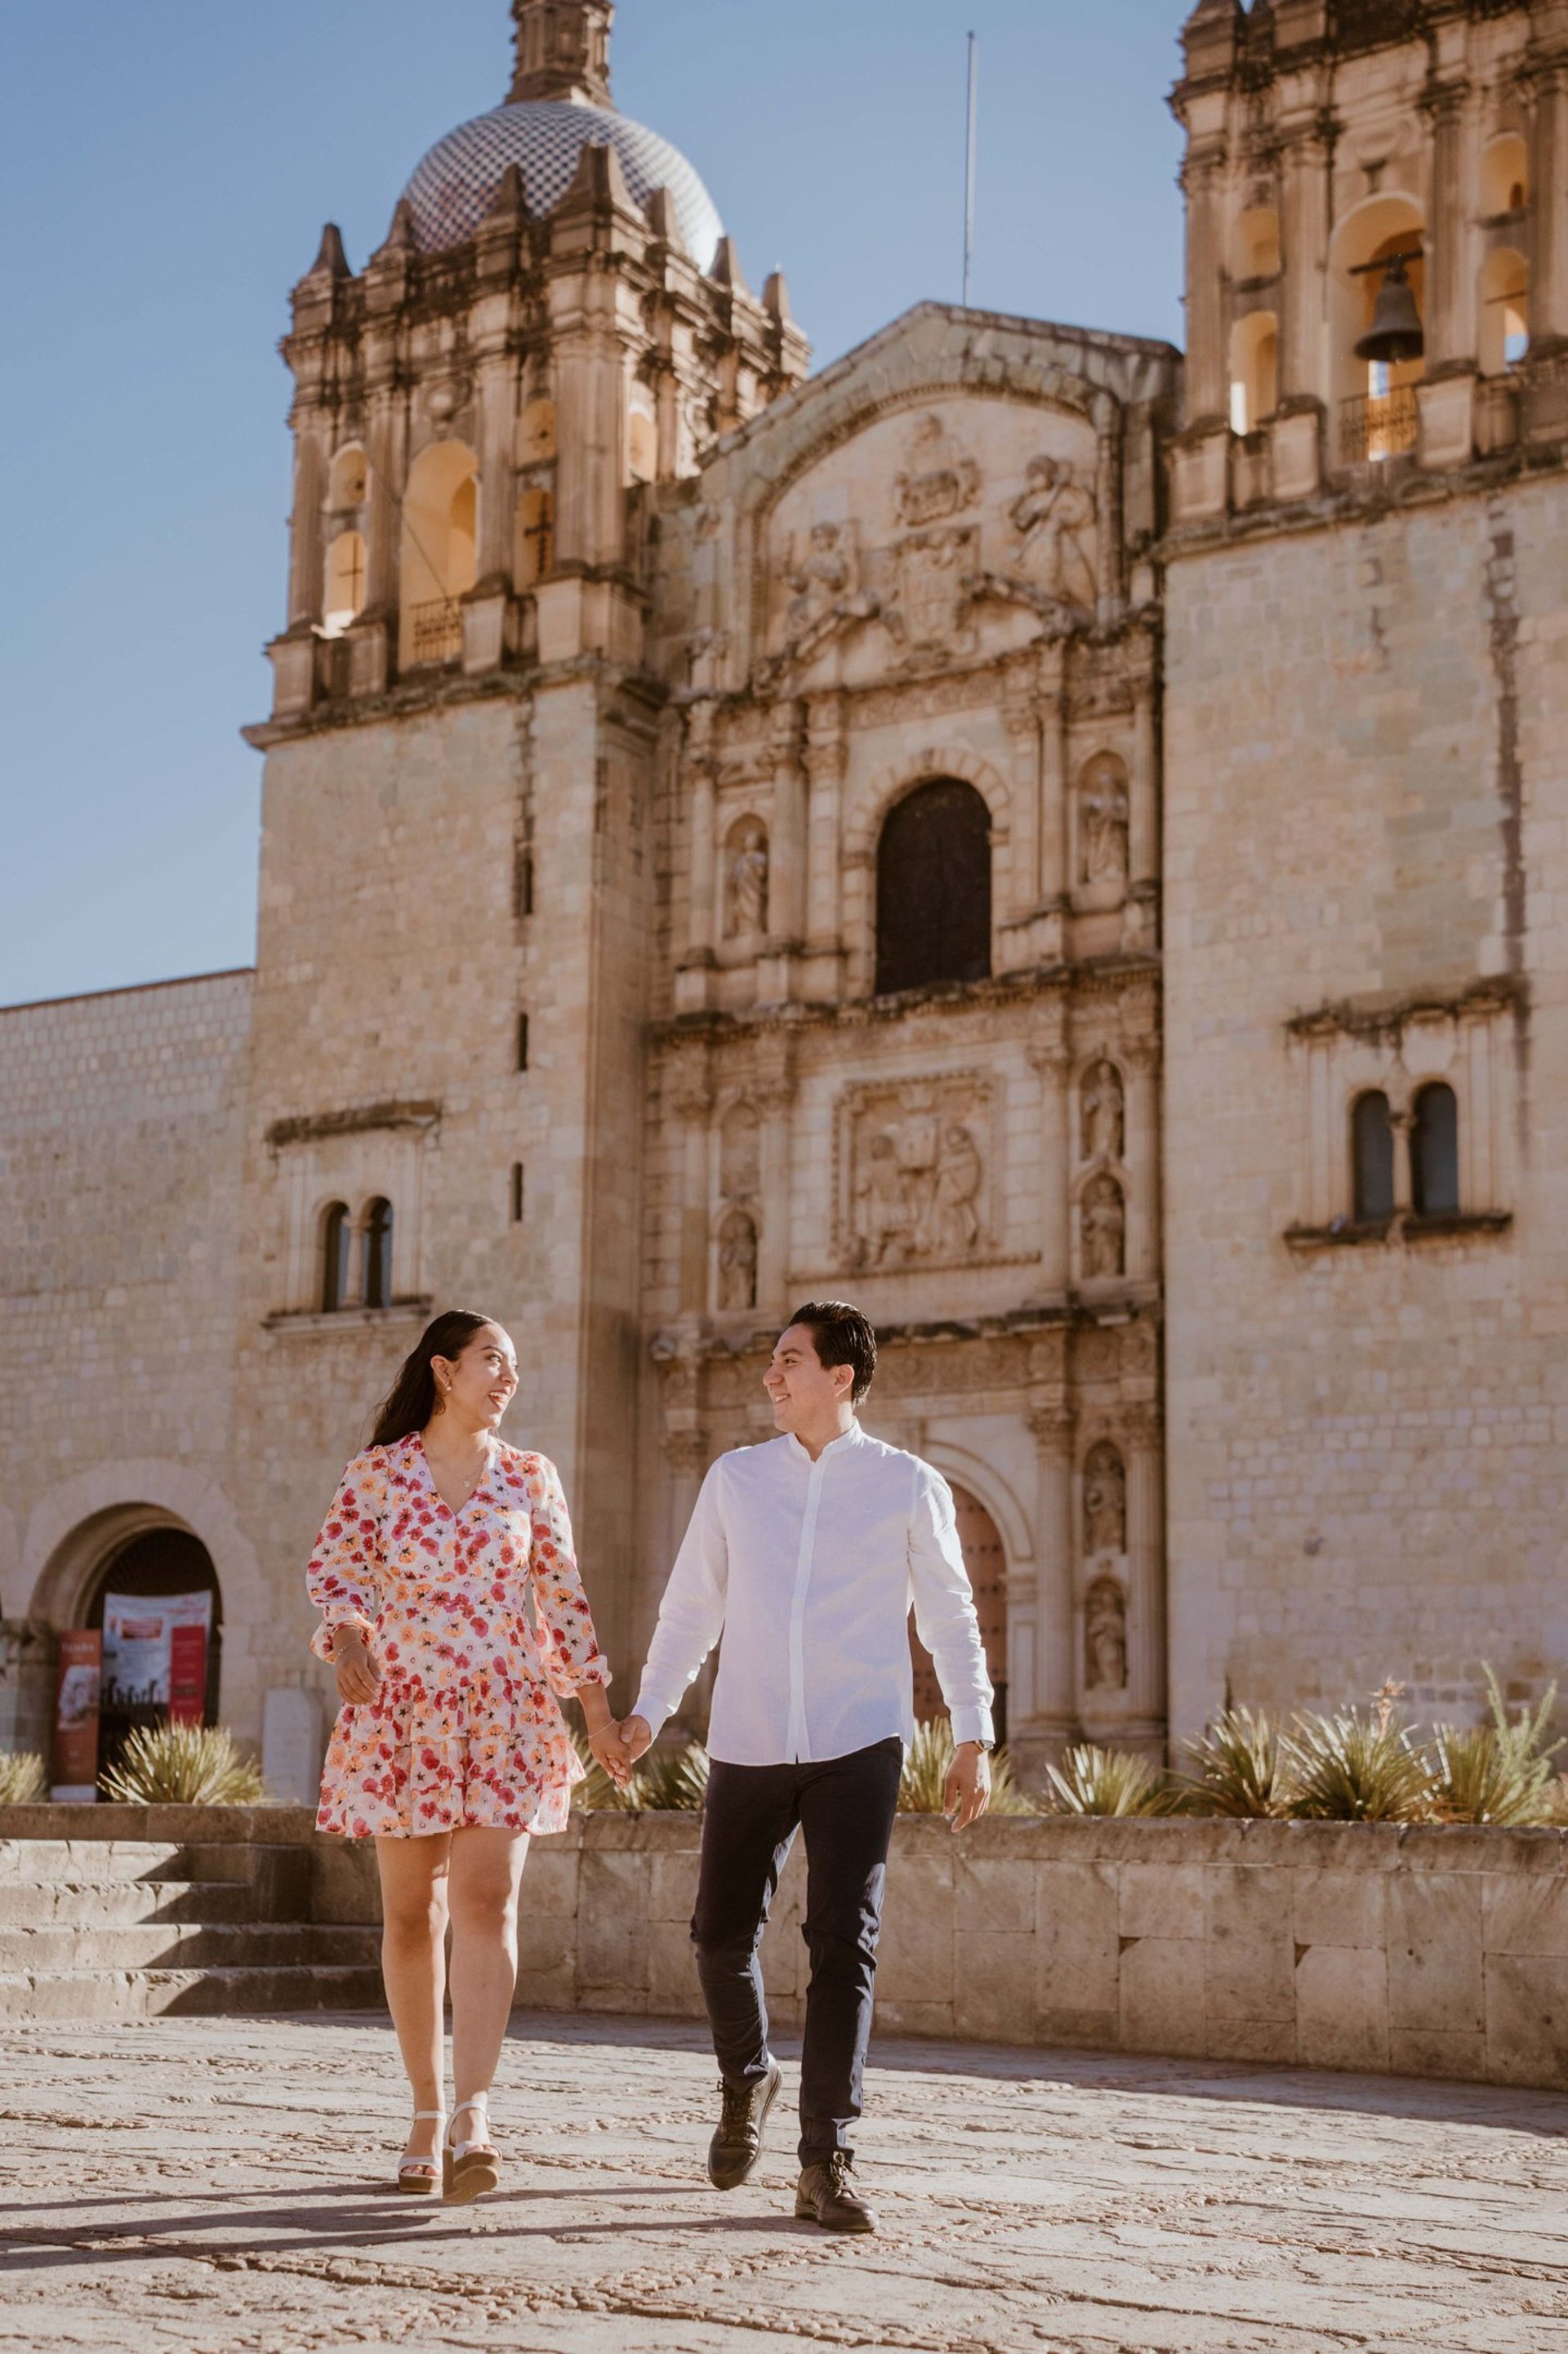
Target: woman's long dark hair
(411,1400)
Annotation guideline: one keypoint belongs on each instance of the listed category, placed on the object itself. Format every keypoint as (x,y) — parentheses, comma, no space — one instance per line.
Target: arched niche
(1374,399)
(1255,250)
(347,480)
(985,1559)
(745,880)
(438,543)
(1505,176)
(1504,309)
(1255,370)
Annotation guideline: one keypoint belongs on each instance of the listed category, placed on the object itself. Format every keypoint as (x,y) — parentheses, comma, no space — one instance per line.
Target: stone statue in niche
(1104,1216)
(1102,1112)
(745,915)
(936,479)
(739,1153)
(1054,520)
(917,1175)
(1104,810)
(1104,1502)
(737,1262)
(1104,1637)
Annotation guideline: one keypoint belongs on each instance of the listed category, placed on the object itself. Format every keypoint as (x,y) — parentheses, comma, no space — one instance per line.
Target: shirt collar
(852,1437)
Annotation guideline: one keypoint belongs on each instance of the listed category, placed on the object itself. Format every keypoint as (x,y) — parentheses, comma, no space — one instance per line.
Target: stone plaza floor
(219,2186)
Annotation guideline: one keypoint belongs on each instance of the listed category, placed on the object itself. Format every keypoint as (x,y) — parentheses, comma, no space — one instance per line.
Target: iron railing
(1378,425)
(436,630)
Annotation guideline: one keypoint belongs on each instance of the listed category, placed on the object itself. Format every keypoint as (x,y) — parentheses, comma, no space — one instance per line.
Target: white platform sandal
(469,2167)
(417,2176)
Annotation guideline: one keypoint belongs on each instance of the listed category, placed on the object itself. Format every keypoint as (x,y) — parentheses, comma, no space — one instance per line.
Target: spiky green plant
(183,1766)
(1236,1766)
(927,1761)
(1361,1766)
(22,1778)
(1497,1773)
(1094,1781)
(664,1780)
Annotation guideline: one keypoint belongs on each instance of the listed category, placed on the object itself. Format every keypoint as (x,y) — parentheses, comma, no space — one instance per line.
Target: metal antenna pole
(969,171)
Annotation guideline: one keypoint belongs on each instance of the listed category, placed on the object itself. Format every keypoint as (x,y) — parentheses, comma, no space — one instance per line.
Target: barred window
(1371,1160)
(1435,1153)
(933,888)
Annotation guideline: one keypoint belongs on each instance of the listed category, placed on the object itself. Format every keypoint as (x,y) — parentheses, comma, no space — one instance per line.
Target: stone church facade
(1063,843)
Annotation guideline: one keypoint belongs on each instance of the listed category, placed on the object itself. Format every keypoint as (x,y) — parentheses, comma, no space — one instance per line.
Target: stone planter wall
(1424,1952)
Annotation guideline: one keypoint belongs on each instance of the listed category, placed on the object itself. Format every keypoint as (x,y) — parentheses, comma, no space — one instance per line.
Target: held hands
(966,1794)
(357,1668)
(607,1739)
(636,1737)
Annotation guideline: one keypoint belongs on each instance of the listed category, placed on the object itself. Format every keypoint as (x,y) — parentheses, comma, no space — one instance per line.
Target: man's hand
(636,1737)
(357,1668)
(609,1748)
(966,1794)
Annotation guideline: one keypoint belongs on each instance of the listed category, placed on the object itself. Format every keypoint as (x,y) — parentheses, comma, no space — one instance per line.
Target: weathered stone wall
(1424,1952)
(119,1243)
(1366,863)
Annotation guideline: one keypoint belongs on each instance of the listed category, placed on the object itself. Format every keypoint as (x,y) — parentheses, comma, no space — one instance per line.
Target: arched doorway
(987,1565)
(156,1563)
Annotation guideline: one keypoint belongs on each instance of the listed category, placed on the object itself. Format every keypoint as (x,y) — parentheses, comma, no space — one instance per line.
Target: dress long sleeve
(945,1607)
(691,1615)
(570,1648)
(343,1578)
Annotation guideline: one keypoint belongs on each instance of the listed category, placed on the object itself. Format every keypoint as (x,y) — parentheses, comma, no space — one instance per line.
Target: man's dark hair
(841,1336)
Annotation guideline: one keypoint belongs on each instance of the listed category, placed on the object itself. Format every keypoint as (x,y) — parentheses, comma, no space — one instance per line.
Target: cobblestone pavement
(214,2186)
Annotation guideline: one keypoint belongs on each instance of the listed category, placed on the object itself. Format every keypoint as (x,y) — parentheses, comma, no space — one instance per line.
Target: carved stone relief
(739,1152)
(1104,810)
(1055,521)
(1104,1637)
(1102,1117)
(1104,1502)
(936,577)
(1103,1216)
(917,1174)
(746,882)
(737,1261)
(937,480)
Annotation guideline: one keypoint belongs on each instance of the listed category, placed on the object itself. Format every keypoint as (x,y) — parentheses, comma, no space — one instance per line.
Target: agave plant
(1359,1766)
(1237,1768)
(1497,1773)
(21,1778)
(927,1761)
(1094,1781)
(183,1766)
(665,1780)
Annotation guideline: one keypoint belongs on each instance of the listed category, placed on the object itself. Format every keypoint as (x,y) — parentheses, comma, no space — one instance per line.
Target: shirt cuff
(653,1712)
(337,1615)
(973,1724)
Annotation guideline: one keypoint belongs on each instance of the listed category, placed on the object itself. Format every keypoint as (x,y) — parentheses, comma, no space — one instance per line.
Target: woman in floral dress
(452,1612)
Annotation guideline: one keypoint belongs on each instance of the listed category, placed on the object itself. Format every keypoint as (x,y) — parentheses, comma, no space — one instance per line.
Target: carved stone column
(775,1102)
(1445,397)
(694,976)
(486,605)
(1048,1053)
(1208,389)
(825,756)
(1304,189)
(1549,207)
(1141,1060)
(1052,1713)
(1146,1571)
(1109,502)
(370,636)
(305,550)
(690,1098)
(789,847)
(1143,832)
(1056,786)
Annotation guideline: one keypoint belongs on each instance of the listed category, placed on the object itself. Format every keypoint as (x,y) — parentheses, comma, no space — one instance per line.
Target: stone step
(90,1904)
(181,1946)
(110,1995)
(41,1861)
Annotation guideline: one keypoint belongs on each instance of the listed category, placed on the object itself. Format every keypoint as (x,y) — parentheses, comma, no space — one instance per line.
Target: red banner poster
(187,1674)
(76,1713)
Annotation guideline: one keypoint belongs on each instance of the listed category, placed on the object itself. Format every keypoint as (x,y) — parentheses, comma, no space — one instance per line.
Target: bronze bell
(1395,331)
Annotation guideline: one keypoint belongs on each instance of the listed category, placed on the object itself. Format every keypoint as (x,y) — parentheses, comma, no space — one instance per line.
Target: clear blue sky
(165,171)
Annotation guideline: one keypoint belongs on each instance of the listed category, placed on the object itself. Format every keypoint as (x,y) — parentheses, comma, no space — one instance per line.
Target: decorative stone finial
(726,270)
(399,238)
(510,203)
(563,50)
(330,260)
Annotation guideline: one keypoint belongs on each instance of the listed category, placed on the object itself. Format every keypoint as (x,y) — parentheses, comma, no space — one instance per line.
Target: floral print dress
(465,1731)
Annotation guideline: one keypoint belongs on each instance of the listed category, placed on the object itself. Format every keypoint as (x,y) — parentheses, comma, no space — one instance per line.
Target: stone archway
(985,1558)
(165,1560)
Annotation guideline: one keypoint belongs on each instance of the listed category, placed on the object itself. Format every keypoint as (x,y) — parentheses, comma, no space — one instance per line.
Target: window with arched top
(379,1254)
(1371,1160)
(933,888)
(345,590)
(439,517)
(1504,311)
(347,480)
(337,1242)
(1435,1153)
(1505,176)
(1255,370)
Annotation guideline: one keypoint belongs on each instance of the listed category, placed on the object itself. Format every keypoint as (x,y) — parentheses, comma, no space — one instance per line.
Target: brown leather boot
(824,2195)
(737,2144)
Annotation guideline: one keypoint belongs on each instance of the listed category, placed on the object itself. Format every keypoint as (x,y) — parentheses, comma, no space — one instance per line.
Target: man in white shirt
(806,1553)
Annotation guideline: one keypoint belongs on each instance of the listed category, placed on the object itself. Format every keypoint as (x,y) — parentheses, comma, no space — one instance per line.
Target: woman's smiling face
(479,1385)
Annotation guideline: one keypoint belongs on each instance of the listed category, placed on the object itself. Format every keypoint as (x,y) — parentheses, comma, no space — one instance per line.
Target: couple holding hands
(454,1617)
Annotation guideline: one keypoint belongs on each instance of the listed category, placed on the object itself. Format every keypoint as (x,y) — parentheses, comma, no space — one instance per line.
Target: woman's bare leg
(486,1870)
(414,1883)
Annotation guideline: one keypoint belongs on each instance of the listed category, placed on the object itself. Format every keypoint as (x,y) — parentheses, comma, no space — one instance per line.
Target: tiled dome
(455,184)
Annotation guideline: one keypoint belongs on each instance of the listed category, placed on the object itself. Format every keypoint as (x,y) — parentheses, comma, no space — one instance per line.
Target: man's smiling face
(800,1388)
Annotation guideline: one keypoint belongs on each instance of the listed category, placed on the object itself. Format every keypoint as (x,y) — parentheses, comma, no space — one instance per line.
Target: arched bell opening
(985,1558)
(1377,305)
(439,554)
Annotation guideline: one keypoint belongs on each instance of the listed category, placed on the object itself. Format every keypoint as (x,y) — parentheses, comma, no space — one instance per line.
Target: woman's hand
(357,1668)
(606,1743)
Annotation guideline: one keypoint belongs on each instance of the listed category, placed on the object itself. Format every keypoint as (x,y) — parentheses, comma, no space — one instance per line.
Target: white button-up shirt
(808,1571)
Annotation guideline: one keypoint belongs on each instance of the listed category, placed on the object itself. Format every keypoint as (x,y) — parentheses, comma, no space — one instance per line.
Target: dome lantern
(563,51)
